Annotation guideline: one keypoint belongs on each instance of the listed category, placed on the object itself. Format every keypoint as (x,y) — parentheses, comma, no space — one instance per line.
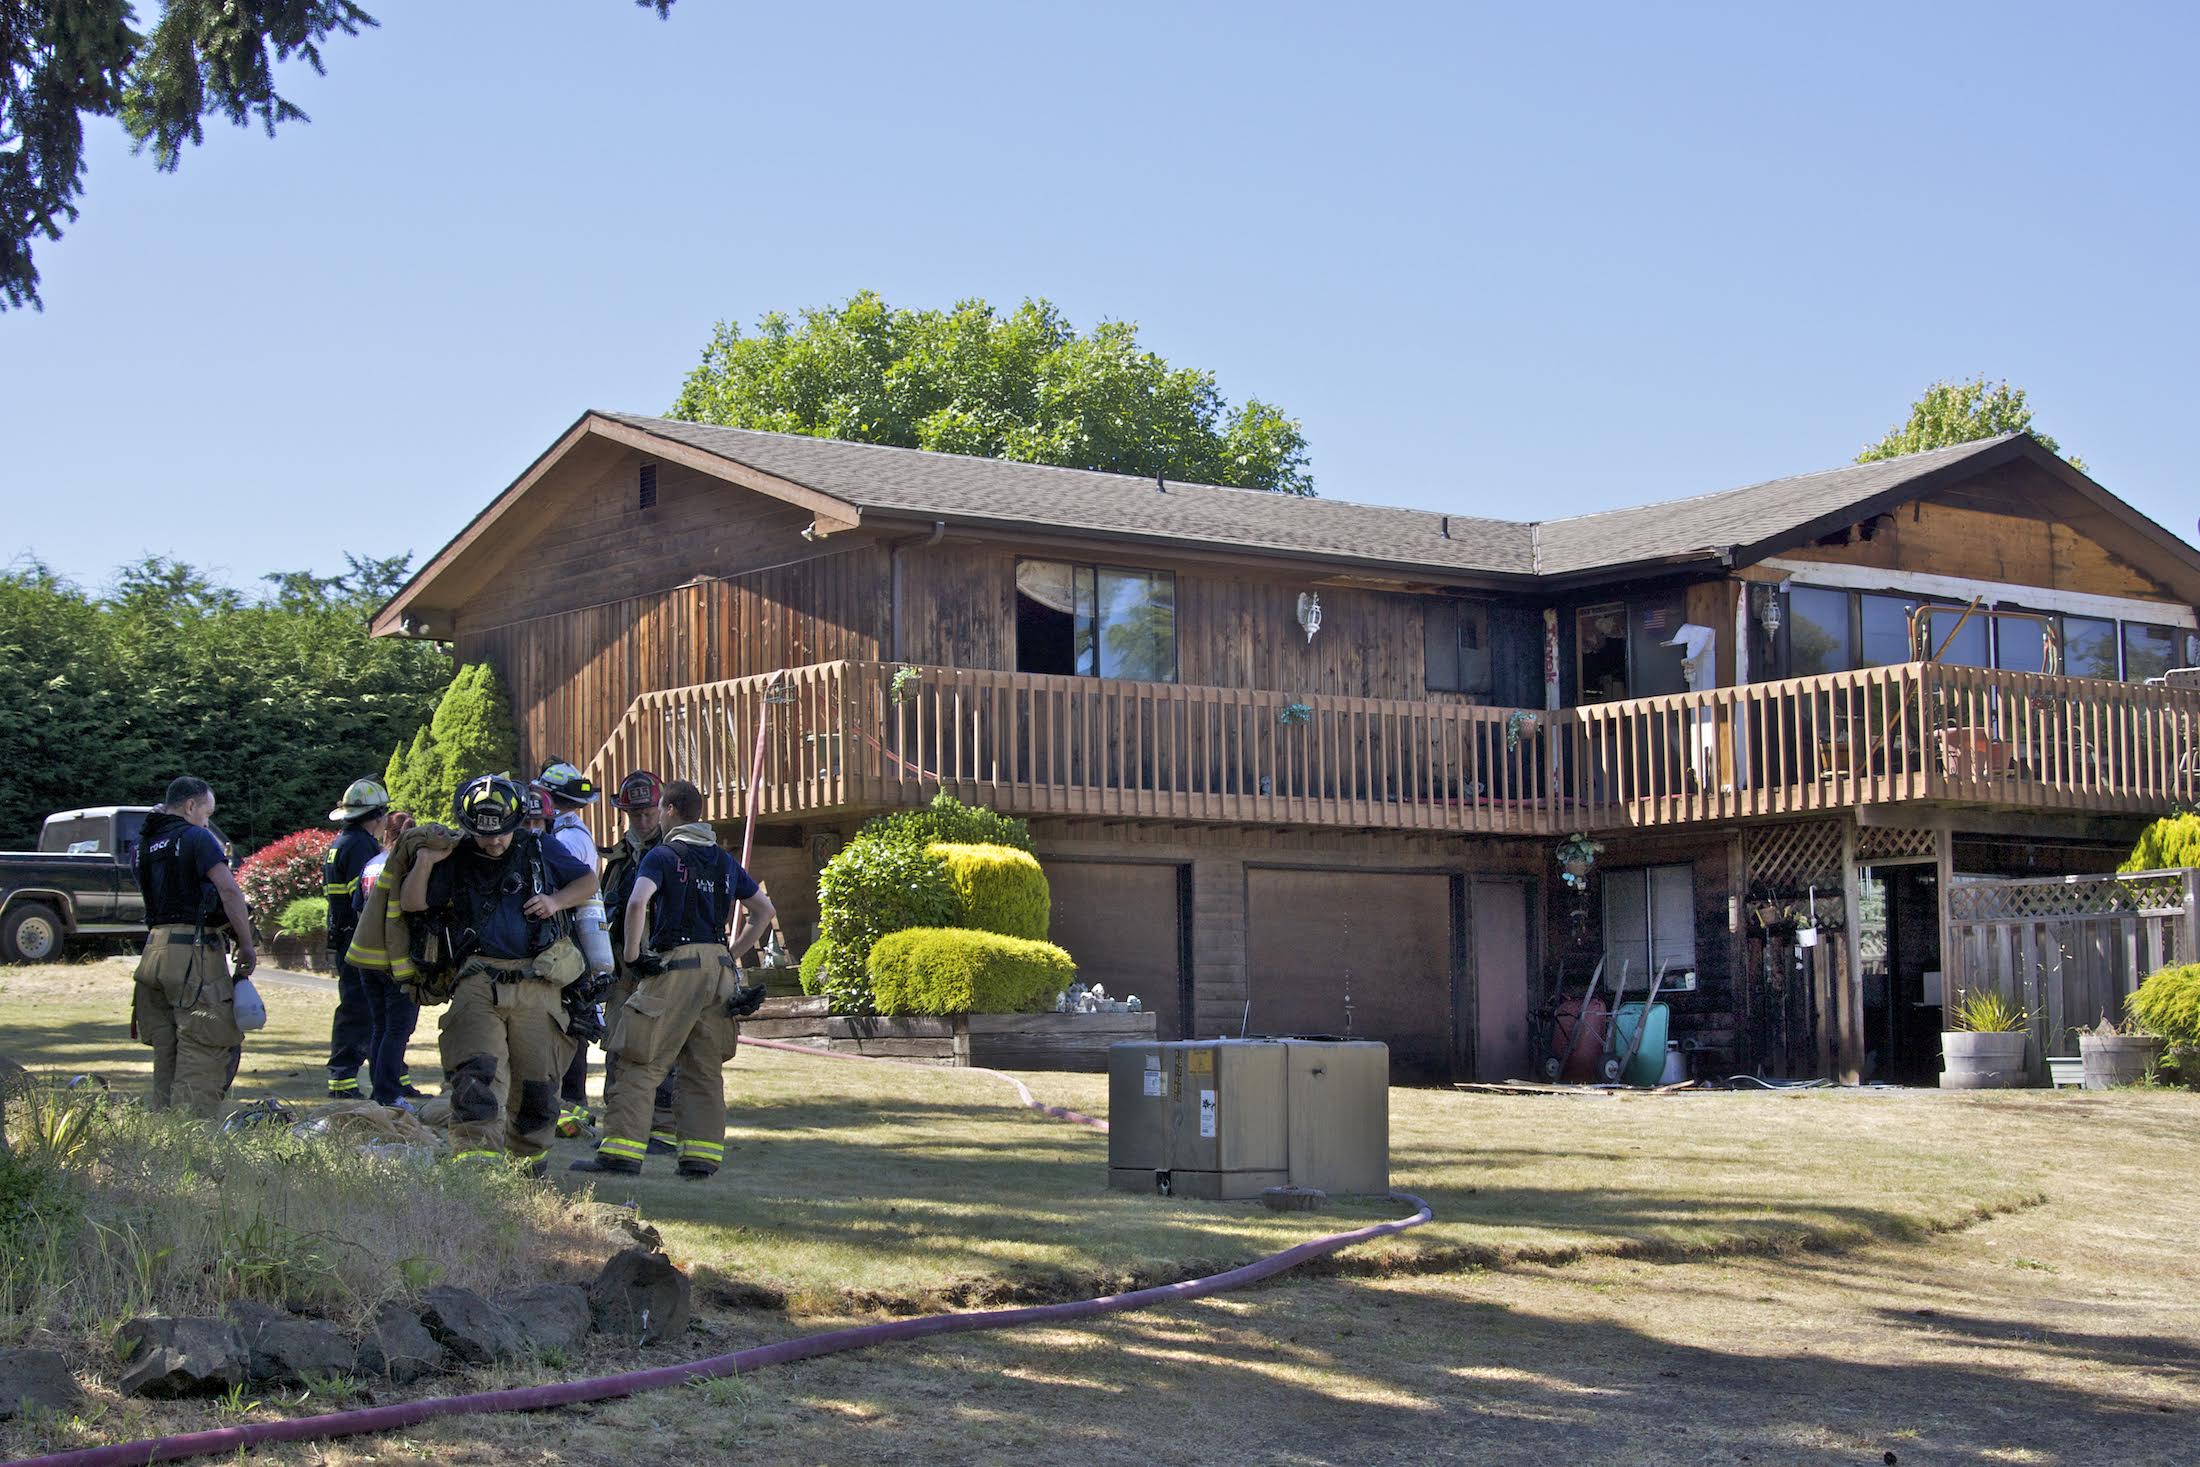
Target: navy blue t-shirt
(501,886)
(697,886)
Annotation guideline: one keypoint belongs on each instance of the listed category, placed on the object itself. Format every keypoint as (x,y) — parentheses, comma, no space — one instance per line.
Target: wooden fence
(2069,950)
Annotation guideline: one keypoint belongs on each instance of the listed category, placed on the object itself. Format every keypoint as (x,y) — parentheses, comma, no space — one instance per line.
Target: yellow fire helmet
(362,798)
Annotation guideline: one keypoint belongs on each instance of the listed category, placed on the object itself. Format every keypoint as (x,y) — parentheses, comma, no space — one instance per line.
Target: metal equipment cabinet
(1229,1118)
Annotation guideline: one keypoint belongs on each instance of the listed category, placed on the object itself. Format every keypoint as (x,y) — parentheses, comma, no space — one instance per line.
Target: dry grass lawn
(1809,1278)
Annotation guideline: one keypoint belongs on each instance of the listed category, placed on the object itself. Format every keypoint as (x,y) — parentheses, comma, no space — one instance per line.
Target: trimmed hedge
(2168,843)
(2168,1004)
(871,888)
(954,970)
(997,888)
(813,966)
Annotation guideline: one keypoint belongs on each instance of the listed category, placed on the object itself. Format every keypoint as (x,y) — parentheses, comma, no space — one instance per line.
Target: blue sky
(1524,261)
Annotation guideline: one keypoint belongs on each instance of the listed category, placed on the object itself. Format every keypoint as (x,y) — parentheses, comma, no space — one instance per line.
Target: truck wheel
(31,933)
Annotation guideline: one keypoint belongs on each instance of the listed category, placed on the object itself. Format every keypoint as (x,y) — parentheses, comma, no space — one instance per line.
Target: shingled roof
(1739,518)
(914,483)
(956,487)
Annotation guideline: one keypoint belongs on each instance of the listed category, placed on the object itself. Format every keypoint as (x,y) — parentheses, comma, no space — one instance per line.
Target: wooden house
(1300,765)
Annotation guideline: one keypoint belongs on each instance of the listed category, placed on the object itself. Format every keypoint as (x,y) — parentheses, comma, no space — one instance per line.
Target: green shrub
(2168,1004)
(813,966)
(871,888)
(997,888)
(948,820)
(306,917)
(2166,844)
(954,970)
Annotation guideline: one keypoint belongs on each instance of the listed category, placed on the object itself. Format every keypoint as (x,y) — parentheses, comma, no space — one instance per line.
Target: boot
(596,1161)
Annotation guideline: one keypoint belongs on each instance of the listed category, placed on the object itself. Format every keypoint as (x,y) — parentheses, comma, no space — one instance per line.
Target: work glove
(649,965)
(583,1024)
(746,1000)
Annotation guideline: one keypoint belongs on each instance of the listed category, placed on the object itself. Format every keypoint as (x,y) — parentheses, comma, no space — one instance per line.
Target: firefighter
(504,894)
(571,791)
(639,800)
(355,1030)
(396,1015)
(688,992)
(183,1004)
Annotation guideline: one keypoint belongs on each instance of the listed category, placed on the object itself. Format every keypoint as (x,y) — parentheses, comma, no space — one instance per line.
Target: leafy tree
(1025,386)
(62,61)
(280,701)
(1960,412)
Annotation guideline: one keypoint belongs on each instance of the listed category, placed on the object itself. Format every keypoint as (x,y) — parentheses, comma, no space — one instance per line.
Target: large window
(1095,621)
(1833,631)
(1649,919)
(2149,651)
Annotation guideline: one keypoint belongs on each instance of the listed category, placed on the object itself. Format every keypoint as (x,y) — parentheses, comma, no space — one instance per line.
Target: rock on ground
(550,1316)
(469,1326)
(285,1349)
(35,1380)
(640,1296)
(180,1357)
(397,1345)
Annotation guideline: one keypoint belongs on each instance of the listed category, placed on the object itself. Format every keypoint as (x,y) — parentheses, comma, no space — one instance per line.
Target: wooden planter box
(990,1041)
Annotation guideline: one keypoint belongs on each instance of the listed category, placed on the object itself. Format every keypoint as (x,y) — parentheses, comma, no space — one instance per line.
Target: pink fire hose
(740,1362)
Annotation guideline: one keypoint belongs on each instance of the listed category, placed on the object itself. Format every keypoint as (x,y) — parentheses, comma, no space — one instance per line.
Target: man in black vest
(184,1005)
(352,1034)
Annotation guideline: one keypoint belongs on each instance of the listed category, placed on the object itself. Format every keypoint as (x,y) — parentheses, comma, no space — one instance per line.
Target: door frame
(1467,992)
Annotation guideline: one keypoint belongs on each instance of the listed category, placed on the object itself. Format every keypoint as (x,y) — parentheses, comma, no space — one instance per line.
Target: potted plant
(1986,1044)
(2118,1054)
(1577,855)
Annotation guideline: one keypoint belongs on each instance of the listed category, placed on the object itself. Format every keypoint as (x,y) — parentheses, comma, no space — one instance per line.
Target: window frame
(1096,569)
(1651,945)
(1461,614)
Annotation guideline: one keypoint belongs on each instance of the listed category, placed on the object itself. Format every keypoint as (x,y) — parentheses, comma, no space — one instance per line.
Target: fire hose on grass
(740,1362)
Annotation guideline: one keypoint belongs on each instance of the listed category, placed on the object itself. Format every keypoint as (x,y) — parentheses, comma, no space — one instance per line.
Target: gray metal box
(1228,1118)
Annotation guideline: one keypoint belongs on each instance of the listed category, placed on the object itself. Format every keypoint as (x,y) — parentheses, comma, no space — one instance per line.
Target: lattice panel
(1880,843)
(2069,896)
(1788,858)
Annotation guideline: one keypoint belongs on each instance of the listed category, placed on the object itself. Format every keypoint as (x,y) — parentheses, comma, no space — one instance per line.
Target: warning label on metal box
(1206,1112)
(1156,1083)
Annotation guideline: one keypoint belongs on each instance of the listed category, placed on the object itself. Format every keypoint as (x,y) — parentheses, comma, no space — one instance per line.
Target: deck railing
(852,736)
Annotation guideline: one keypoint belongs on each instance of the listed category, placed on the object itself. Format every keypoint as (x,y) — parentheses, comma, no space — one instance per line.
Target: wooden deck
(855,737)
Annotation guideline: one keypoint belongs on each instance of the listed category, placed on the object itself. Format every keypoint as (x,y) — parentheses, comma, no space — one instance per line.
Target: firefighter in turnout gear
(353,1033)
(569,791)
(687,992)
(184,1003)
(504,894)
(640,799)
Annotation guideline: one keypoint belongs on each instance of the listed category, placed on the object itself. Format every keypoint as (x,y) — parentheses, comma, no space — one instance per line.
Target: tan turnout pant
(664,1124)
(185,1007)
(504,1048)
(678,1017)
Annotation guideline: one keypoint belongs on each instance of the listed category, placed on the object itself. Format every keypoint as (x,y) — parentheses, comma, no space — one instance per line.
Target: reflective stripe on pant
(184,1004)
(503,1044)
(678,1016)
(351,1033)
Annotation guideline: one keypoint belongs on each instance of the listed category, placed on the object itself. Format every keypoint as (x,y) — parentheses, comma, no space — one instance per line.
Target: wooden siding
(959,610)
(1981,544)
(573,674)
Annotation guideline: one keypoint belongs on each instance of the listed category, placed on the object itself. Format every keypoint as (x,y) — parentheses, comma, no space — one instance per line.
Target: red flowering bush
(276,875)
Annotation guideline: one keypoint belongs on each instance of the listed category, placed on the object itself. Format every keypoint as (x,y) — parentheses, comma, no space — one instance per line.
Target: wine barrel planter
(2117,1059)
(1984,1061)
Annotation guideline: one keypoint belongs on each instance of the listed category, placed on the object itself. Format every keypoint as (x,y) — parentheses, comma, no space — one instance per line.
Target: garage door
(1123,925)
(1313,936)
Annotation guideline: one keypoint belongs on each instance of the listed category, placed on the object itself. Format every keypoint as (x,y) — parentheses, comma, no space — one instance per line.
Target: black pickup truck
(80,883)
